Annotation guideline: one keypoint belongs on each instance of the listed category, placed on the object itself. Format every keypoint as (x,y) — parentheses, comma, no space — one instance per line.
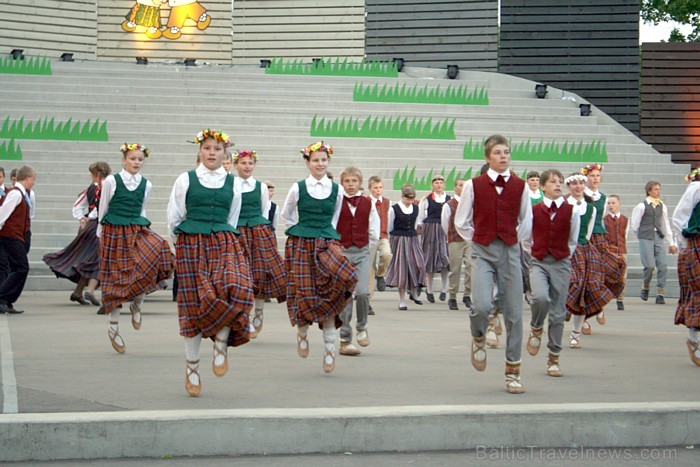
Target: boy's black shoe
(467,300)
(452,303)
(644,295)
(370,311)
(430,297)
(9,309)
(660,300)
(620,305)
(381,284)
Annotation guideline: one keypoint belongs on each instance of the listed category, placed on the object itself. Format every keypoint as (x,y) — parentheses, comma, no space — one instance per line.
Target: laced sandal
(492,337)
(497,326)
(586,329)
(219,370)
(694,351)
(534,341)
(479,353)
(575,340)
(328,358)
(113,335)
(135,311)
(600,317)
(513,384)
(302,346)
(258,321)
(553,368)
(192,368)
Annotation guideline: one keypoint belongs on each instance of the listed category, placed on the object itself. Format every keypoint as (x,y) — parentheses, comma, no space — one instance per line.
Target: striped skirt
(81,258)
(145,15)
(434,244)
(214,286)
(688,311)
(587,292)
(133,259)
(266,266)
(320,280)
(405,270)
(613,263)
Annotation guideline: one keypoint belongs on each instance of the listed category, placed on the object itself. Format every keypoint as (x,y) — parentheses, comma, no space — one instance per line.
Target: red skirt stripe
(259,246)
(614,265)
(688,310)
(587,291)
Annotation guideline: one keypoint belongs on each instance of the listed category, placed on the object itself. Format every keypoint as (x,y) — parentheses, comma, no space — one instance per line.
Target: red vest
(551,236)
(452,235)
(18,224)
(383,211)
(616,231)
(354,230)
(496,216)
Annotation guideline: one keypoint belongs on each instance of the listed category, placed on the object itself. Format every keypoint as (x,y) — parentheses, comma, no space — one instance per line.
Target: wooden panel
(434,33)
(589,48)
(670,99)
(49,27)
(211,45)
(298,29)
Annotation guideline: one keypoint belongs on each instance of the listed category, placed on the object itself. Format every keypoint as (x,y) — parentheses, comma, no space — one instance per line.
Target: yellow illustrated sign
(147,13)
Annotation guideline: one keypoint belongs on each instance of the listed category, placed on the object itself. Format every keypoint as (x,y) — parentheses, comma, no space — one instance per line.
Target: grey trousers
(653,254)
(359,257)
(549,280)
(501,263)
(460,255)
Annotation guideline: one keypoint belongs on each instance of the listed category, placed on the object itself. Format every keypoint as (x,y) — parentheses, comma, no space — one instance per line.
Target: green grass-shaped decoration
(47,129)
(28,66)
(383,127)
(426,182)
(581,152)
(414,94)
(329,67)
(10,151)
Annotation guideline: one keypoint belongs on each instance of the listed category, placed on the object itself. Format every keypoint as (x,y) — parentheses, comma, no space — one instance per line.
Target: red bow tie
(354,201)
(500,181)
(553,207)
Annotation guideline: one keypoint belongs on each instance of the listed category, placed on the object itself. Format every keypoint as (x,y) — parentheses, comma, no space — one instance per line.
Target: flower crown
(244,153)
(320,146)
(693,176)
(126,147)
(571,178)
(587,169)
(218,135)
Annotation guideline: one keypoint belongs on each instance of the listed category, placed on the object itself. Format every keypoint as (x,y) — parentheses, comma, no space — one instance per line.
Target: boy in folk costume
(320,279)
(651,226)
(380,252)
(686,225)
(551,244)
(617,225)
(215,290)
(15,222)
(358,227)
(133,258)
(258,240)
(495,212)
(459,249)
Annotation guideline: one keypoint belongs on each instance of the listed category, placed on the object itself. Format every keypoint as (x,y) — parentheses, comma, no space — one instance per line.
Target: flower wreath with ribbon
(126,147)
(693,176)
(319,146)
(238,155)
(217,135)
(591,167)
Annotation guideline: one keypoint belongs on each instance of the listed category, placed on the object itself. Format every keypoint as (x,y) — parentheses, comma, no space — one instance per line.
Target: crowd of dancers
(512,240)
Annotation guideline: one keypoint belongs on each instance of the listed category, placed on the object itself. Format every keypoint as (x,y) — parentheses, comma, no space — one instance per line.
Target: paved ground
(60,357)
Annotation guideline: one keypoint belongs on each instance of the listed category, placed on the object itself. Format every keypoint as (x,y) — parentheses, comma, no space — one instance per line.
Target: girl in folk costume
(79,262)
(406,270)
(215,290)
(320,279)
(613,266)
(257,239)
(133,258)
(433,238)
(587,292)
(686,226)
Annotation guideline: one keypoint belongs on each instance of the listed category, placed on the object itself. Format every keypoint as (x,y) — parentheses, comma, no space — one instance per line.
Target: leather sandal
(534,341)
(113,334)
(575,340)
(302,346)
(219,370)
(586,329)
(135,309)
(192,389)
(600,317)
(328,363)
(693,348)
(479,348)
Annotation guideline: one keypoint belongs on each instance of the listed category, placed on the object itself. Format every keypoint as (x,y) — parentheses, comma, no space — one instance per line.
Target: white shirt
(638,213)
(12,200)
(681,215)
(446,215)
(423,205)
(317,189)
(177,204)
(464,217)
(248,185)
(81,207)
(406,210)
(580,209)
(573,228)
(109,187)
(374,223)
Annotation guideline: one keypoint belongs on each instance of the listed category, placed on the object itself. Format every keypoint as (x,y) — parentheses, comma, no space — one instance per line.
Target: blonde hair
(351,172)
(374,179)
(494,140)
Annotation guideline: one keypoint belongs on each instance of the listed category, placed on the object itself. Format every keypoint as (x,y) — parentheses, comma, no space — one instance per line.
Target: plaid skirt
(587,291)
(614,264)
(434,244)
(320,280)
(264,261)
(214,286)
(81,258)
(133,259)
(688,310)
(405,270)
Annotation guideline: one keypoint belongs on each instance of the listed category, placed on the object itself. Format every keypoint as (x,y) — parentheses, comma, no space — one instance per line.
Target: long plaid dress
(613,265)
(688,310)
(133,258)
(215,289)
(320,279)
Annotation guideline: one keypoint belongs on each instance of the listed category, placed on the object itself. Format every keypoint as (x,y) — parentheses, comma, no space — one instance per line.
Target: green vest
(315,215)
(599,227)
(693,229)
(585,220)
(125,206)
(251,209)
(207,208)
(534,201)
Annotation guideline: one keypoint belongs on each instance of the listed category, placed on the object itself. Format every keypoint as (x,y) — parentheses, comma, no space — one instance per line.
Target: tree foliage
(679,11)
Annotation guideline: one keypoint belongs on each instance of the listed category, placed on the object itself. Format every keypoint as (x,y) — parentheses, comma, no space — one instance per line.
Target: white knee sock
(114,318)
(445,283)
(694,334)
(402,297)
(577,322)
(429,282)
(221,342)
(192,347)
